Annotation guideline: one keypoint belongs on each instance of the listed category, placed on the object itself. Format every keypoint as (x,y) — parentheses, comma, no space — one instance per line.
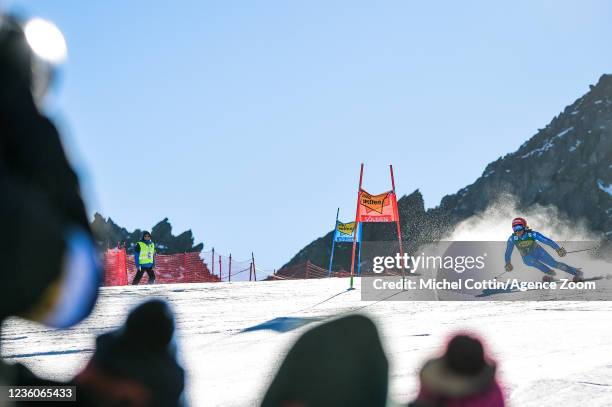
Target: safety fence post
(254,269)
(213,264)
(229,275)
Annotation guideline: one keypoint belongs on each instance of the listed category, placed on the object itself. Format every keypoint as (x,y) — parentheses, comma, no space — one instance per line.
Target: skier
(533,254)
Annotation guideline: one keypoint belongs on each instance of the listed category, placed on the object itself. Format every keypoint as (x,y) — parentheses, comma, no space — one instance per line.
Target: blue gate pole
(331,258)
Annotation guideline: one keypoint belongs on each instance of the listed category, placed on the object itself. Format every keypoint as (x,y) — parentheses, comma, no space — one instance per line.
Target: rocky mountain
(573,158)
(108,234)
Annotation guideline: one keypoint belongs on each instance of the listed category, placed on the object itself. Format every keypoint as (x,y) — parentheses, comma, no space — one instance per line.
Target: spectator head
(461,372)
(340,363)
(150,325)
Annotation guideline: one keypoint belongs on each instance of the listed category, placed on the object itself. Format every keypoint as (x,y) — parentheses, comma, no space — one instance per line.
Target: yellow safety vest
(147,251)
(525,244)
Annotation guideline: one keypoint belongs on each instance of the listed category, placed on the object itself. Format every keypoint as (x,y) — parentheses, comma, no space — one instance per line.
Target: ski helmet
(518,224)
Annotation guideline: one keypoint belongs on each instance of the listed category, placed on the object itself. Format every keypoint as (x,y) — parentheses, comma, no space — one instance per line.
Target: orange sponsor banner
(377,208)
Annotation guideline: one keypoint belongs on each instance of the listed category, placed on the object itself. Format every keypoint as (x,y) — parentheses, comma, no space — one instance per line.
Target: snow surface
(575,146)
(548,144)
(564,132)
(604,187)
(549,353)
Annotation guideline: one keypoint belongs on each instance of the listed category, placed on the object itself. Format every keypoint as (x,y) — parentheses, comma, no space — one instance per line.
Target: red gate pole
(253,262)
(397,222)
(356,224)
(229,276)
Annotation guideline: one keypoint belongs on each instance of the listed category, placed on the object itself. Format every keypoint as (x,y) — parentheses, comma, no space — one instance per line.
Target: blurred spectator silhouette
(340,363)
(136,364)
(462,377)
(50,272)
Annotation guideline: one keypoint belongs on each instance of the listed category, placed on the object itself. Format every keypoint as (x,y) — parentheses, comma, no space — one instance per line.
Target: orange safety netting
(119,268)
(305,270)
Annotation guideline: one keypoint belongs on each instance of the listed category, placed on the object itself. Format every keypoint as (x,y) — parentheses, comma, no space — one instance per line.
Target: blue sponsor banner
(344,232)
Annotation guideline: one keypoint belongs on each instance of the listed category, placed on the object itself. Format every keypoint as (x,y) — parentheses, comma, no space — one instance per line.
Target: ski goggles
(517,228)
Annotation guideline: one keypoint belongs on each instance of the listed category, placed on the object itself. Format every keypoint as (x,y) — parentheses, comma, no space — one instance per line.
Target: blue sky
(246,121)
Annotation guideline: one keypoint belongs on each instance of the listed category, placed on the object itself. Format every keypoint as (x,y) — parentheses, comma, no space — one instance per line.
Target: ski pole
(499,275)
(582,250)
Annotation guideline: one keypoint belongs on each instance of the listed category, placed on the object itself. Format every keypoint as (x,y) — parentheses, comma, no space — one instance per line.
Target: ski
(594,278)
(491,292)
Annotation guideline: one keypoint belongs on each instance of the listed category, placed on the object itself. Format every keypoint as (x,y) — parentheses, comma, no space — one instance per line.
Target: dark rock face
(108,234)
(572,156)
(567,164)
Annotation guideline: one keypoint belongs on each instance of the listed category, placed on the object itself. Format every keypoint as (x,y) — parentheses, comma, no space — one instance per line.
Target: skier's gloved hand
(136,364)
(509,267)
(561,252)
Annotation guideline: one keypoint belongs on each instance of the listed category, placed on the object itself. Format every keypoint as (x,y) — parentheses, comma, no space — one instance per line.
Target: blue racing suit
(534,255)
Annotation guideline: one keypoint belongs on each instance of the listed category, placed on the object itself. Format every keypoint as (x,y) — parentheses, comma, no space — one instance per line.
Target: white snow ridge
(575,146)
(604,187)
(548,144)
(564,132)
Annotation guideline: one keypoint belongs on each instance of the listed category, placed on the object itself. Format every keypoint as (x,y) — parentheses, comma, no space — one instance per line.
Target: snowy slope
(549,353)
